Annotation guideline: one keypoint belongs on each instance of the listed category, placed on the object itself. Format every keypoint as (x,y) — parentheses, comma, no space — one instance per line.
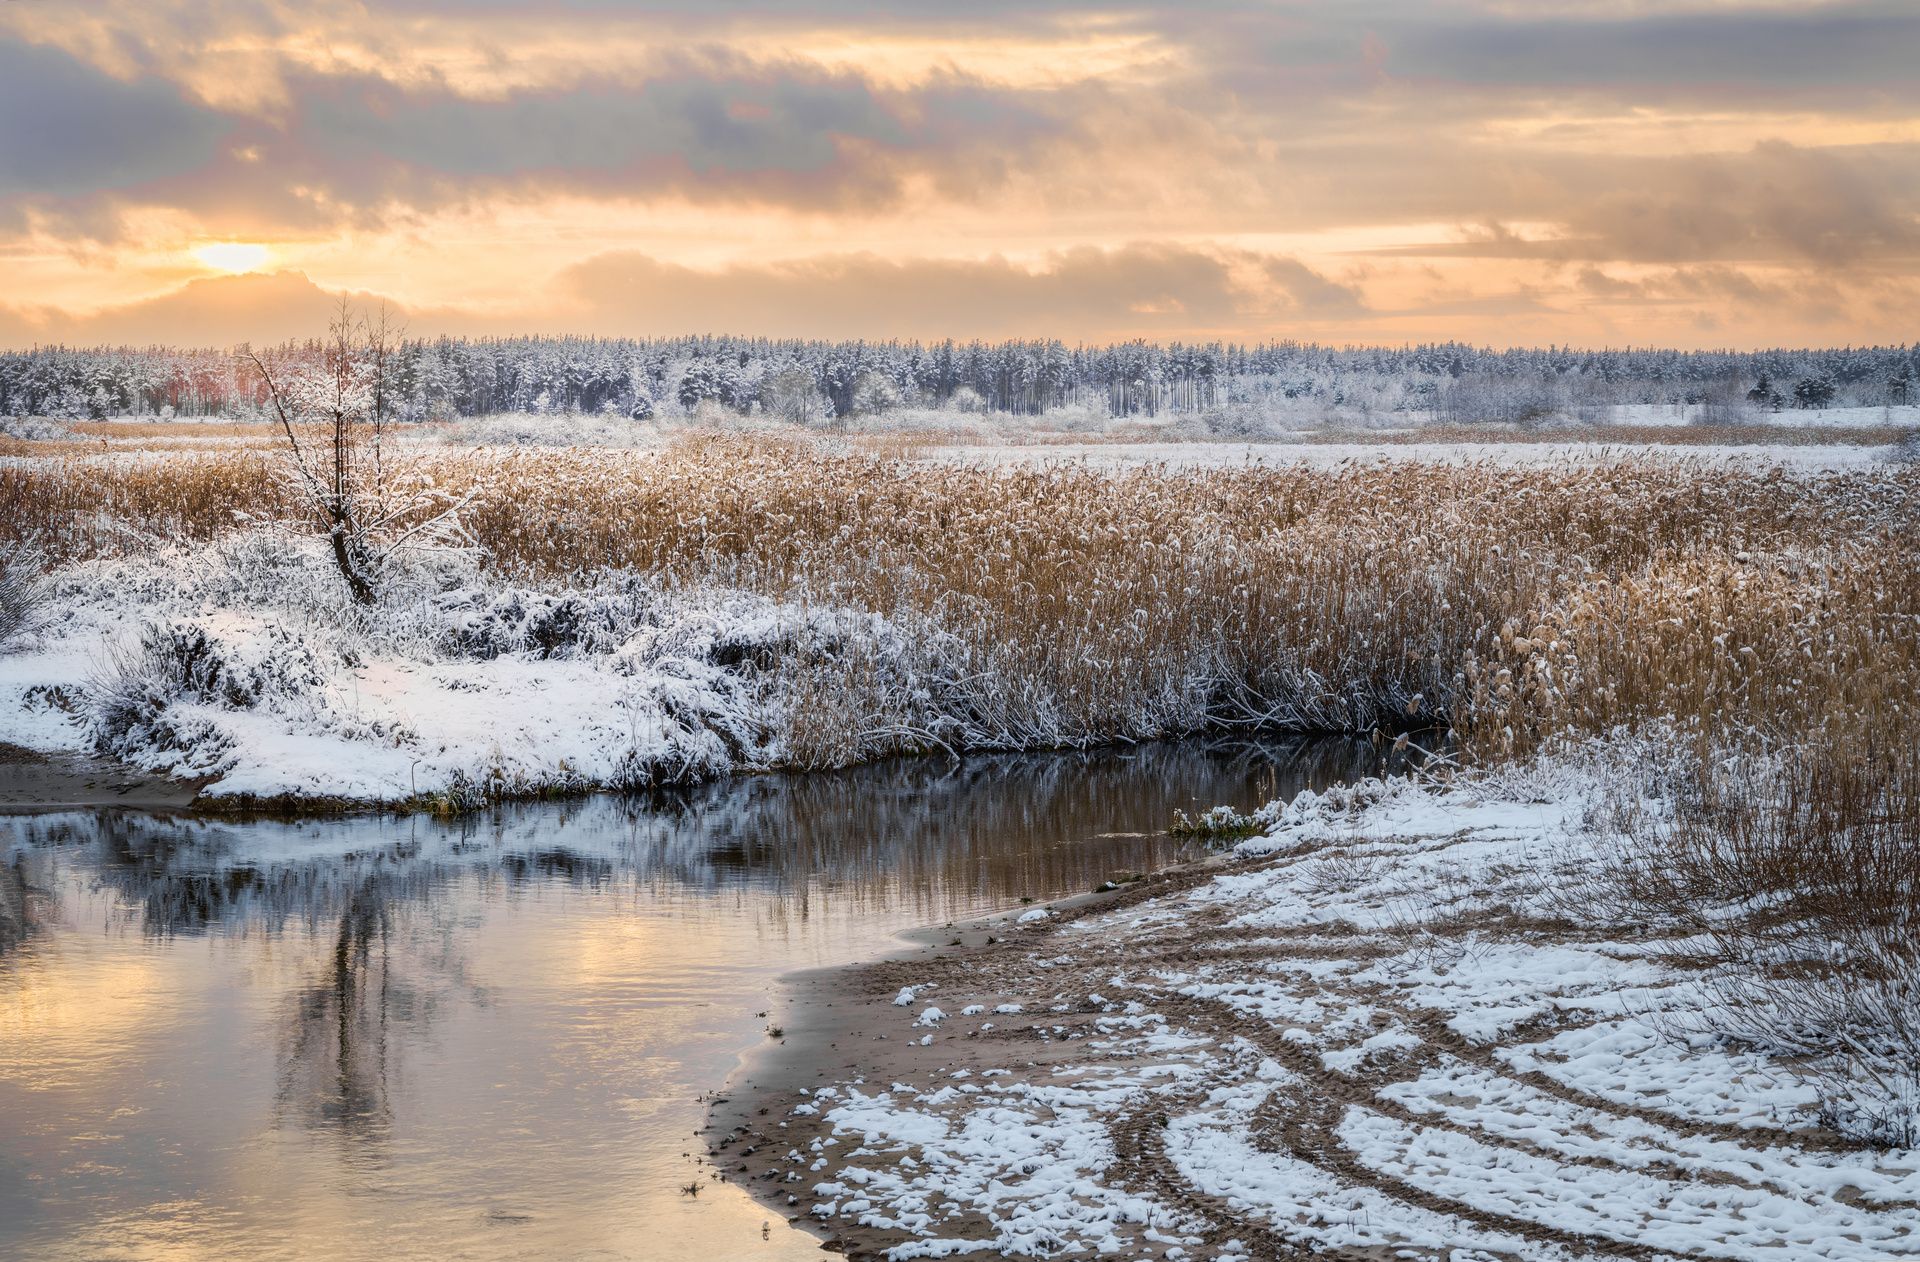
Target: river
(490,1037)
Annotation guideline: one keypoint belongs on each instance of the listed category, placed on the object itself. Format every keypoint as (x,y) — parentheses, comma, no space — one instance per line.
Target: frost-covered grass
(24,594)
(1795,873)
(1051,604)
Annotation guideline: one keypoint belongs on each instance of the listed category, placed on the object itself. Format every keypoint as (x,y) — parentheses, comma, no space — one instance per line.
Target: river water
(489,1038)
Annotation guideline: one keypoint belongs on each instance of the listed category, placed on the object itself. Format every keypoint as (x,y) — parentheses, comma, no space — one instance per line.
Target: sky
(1692,173)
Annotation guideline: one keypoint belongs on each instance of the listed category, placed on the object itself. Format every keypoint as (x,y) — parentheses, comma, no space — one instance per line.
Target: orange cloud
(1072,167)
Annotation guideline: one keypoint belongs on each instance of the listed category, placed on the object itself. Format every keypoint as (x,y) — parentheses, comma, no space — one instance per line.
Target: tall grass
(1069,605)
(24,593)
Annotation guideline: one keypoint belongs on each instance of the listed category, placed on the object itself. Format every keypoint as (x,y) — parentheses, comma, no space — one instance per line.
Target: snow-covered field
(243,664)
(1379,1033)
(1809,457)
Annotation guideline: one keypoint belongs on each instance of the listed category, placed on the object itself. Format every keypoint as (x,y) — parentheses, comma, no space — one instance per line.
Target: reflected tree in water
(345,1027)
(17,914)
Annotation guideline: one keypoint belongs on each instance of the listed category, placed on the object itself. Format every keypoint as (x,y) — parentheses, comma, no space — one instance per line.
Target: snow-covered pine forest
(807,381)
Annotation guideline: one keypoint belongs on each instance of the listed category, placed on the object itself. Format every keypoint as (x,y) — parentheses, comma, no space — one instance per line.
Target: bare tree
(792,395)
(337,410)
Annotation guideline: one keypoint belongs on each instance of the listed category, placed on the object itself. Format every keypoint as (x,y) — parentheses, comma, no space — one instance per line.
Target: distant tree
(707,379)
(791,395)
(967,399)
(1764,395)
(1814,391)
(874,393)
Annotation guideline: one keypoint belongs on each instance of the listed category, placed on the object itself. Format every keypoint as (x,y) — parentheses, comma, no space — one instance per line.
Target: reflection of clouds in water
(929,833)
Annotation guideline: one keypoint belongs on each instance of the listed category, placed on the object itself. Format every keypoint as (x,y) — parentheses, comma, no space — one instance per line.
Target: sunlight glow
(231,256)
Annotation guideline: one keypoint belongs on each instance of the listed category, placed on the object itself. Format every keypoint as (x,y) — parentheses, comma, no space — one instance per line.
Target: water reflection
(488,1036)
(333,1071)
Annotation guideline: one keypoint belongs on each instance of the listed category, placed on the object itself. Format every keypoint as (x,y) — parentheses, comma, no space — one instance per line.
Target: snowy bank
(244,665)
(1379,1031)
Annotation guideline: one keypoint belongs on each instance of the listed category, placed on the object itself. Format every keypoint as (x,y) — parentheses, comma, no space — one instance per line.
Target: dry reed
(1520,605)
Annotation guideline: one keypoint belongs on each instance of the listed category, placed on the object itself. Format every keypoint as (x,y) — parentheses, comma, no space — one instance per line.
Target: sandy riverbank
(1371,1035)
(31,782)
(840,1024)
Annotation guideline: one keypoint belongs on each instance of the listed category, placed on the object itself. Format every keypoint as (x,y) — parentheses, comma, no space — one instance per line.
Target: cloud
(218,311)
(1141,289)
(71,129)
(713,127)
(1137,289)
(1776,142)
(1838,206)
(1726,51)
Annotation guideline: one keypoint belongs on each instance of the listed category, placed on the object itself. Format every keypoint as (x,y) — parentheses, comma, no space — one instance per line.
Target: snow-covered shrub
(1795,874)
(1244,421)
(1219,826)
(792,395)
(873,394)
(37,429)
(23,590)
(1726,404)
(240,664)
(477,622)
(967,400)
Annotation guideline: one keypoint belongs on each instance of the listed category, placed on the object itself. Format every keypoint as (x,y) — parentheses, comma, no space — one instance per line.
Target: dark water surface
(488,1038)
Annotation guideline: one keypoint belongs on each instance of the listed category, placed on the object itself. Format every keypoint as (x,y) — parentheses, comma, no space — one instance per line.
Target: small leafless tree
(792,396)
(337,409)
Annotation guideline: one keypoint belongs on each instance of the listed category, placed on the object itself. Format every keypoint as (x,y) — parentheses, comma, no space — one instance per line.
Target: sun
(231,256)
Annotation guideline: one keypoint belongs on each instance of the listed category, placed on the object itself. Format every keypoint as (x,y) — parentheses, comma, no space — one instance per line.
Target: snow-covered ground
(1381,1035)
(1811,418)
(1808,457)
(243,663)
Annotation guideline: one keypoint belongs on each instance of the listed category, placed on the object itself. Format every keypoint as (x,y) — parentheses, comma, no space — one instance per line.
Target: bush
(873,394)
(1725,404)
(792,395)
(968,400)
(23,590)
(1796,875)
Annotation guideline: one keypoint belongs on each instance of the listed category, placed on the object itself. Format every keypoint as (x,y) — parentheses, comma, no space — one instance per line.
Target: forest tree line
(444,378)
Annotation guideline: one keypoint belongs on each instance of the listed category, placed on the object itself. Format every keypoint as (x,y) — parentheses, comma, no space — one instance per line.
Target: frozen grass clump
(150,704)
(250,659)
(24,593)
(1791,879)
(525,429)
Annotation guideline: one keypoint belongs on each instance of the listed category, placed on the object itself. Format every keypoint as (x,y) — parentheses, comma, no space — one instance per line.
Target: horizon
(1226,343)
(1731,175)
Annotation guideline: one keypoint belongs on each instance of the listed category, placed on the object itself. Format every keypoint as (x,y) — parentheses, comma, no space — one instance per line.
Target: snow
(1118,455)
(1341,1047)
(240,662)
